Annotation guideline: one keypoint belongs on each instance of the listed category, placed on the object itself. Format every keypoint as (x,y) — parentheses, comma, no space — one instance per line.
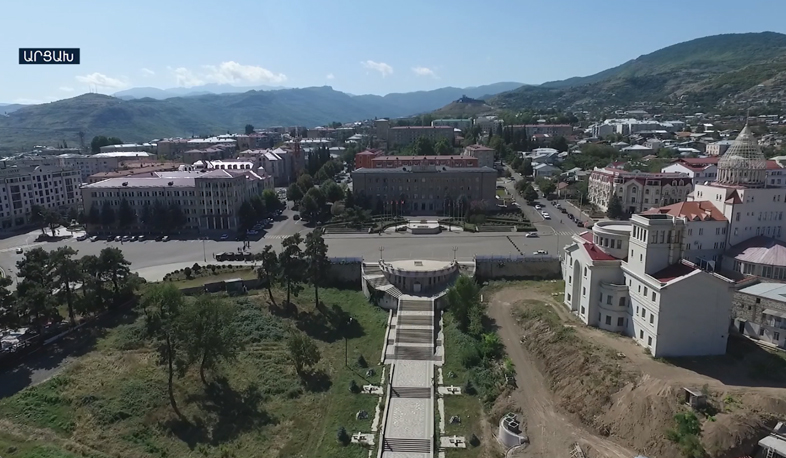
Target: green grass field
(113,401)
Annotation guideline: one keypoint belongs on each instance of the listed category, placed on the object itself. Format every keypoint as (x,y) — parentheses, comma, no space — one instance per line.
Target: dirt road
(551,433)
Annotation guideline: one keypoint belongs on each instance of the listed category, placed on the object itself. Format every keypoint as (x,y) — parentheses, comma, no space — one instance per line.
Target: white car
(538,207)
(540,252)
(531,235)
(82,237)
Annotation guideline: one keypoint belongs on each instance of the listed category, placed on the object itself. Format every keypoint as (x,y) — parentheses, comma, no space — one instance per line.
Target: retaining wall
(518,267)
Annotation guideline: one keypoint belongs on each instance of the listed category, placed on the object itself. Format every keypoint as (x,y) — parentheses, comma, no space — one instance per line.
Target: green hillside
(703,72)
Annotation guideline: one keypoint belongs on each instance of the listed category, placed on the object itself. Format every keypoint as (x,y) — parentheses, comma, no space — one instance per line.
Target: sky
(356,47)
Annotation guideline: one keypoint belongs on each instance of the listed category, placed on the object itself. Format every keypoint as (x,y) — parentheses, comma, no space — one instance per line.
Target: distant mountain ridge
(147,118)
(161,94)
(705,72)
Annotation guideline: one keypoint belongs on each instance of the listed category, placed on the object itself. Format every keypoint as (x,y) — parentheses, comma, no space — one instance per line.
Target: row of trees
(311,199)
(257,208)
(159,216)
(88,285)
(203,332)
(100,140)
(47,218)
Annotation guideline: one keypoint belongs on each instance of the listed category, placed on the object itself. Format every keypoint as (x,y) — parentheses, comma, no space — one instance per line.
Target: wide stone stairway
(409,425)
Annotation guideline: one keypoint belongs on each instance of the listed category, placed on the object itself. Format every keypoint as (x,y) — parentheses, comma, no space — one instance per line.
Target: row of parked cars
(123,238)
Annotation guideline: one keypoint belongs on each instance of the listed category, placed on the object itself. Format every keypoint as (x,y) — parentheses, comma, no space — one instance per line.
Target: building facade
(637,191)
(462,124)
(484,154)
(760,312)
(426,189)
(401,161)
(406,135)
(629,278)
(209,200)
(21,188)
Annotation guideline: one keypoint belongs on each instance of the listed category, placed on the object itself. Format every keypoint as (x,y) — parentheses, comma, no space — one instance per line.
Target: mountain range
(709,72)
(147,118)
(732,70)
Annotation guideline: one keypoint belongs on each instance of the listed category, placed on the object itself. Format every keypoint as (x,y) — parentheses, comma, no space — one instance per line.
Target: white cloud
(186,78)
(330,76)
(66,89)
(147,72)
(234,73)
(227,73)
(101,80)
(381,67)
(424,71)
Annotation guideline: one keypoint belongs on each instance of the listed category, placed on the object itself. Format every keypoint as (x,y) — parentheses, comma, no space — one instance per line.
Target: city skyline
(355,50)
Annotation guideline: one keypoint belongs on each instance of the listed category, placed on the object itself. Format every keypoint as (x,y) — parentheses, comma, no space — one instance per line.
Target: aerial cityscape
(333,231)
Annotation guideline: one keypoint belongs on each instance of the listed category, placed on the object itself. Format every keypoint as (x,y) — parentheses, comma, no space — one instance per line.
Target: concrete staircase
(414,337)
(406,445)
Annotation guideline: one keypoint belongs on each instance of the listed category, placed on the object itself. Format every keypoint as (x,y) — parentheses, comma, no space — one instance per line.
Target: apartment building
(21,188)
(760,312)
(462,124)
(406,135)
(238,164)
(426,189)
(129,147)
(209,200)
(637,191)
(364,159)
(553,130)
(630,278)
(135,169)
(277,163)
(484,154)
(401,161)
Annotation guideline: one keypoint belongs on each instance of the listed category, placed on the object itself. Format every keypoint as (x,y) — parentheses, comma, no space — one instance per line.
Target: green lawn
(502,193)
(114,399)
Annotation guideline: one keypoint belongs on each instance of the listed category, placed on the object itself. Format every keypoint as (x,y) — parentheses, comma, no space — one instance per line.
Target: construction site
(583,392)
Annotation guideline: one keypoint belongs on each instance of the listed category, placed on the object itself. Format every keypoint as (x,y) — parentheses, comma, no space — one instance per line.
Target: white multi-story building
(636,191)
(237,164)
(277,163)
(628,277)
(21,188)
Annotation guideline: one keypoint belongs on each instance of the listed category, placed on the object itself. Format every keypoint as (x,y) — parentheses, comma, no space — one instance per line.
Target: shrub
(473,440)
(187,271)
(196,268)
(342,436)
(362,362)
(353,387)
(470,356)
(469,388)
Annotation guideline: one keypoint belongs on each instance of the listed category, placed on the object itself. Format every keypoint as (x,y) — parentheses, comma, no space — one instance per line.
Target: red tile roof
(595,253)
(701,210)
(674,272)
(773,165)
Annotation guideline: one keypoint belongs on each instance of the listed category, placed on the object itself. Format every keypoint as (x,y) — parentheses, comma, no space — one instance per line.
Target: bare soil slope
(580,384)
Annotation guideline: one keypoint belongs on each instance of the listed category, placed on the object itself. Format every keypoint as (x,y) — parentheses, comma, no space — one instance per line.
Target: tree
(269,270)
(66,274)
(294,193)
(249,129)
(162,305)
(422,147)
(305,182)
(100,140)
(614,211)
(146,217)
(526,168)
(125,214)
(292,264)
(317,261)
(529,194)
(107,214)
(259,207)
(443,148)
(462,297)
(546,186)
(9,314)
(38,217)
(303,351)
(53,221)
(94,215)
(309,207)
(73,215)
(271,200)
(349,199)
(559,143)
(209,333)
(114,268)
(35,292)
(332,191)
(246,216)
(175,217)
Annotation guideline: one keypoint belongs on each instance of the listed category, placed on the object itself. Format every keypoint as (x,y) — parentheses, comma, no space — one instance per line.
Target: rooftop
(147,182)
(440,168)
(422,158)
(123,154)
(674,272)
(421,127)
(760,250)
(595,253)
(701,210)
(773,291)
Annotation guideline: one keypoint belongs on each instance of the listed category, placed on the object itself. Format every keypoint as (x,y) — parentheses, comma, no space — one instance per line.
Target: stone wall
(345,273)
(522,267)
(747,312)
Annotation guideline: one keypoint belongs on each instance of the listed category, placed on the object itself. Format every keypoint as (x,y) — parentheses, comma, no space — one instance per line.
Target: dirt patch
(582,385)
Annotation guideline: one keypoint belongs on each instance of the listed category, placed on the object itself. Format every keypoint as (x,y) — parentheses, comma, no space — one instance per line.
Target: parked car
(82,237)
(296,217)
(133,238)
(563,210)
(579,224)
(126,238)
(141,238)
(159,238)
(224,236)
(252,232)
(538,207)
(531,235)
(19,251)
(165,238)
(540,252)
(94,238)
(572,218)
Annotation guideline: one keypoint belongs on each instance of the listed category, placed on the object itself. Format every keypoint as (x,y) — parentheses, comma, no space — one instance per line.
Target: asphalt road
(153,259)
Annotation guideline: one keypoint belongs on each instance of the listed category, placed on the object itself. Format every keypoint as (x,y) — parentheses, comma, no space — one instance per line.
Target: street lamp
(346,345)
(455,248)
(204,253)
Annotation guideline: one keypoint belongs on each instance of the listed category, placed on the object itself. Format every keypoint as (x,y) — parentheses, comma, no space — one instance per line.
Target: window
(585,271)
(643,312)
(608,320)
(620,321)
(761,331)
(649,340)
(641,334)
(608,299)
(600,299)
(622,302)
(758,300)
(568,297)
(646,291)
(776,336)
(584,291)
(652,318)
(583,310)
